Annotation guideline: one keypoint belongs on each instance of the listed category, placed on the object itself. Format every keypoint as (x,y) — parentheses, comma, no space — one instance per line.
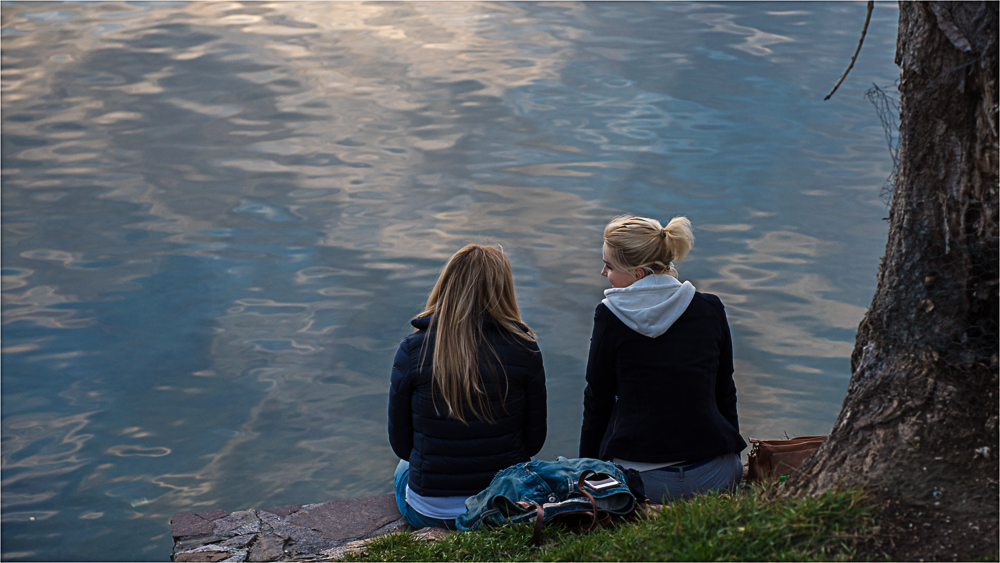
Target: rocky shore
(313,532)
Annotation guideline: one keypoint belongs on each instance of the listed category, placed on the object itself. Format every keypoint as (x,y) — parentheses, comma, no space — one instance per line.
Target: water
(219,217)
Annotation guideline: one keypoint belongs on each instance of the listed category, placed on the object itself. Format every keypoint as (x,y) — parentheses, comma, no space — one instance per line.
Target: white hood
(650,305)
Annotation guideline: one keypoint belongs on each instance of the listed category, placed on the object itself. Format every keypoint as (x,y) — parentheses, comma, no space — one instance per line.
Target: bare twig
(864,31)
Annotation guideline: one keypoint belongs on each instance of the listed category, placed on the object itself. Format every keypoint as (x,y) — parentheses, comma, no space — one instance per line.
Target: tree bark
(923,397)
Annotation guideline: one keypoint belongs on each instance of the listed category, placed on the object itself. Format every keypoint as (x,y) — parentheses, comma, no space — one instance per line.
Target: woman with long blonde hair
(467,394)
(660,394)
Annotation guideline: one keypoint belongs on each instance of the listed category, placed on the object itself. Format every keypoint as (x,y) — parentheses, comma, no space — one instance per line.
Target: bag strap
(596,518)
(590,497)
(536,537)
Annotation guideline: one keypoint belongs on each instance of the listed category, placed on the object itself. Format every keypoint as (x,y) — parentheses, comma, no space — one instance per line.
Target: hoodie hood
(650,305)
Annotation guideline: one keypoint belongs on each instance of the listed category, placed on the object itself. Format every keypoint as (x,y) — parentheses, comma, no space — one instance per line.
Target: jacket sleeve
(400,403)
(599,396)
(535,426)
(725,386)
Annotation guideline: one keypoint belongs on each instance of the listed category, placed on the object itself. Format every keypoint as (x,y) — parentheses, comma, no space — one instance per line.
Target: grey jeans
(721,474)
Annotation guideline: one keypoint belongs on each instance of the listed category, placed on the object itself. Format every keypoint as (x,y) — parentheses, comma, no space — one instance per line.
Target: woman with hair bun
(467,393)
(660,394)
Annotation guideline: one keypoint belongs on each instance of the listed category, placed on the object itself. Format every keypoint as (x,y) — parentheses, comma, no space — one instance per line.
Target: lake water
(218,219)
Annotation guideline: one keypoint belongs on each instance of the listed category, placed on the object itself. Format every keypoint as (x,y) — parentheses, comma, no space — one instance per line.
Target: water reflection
(797,299)
(756,42)
(39,450)
(219,217)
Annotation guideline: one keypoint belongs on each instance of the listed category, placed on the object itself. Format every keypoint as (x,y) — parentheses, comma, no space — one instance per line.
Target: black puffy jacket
(663,399)
(447,457)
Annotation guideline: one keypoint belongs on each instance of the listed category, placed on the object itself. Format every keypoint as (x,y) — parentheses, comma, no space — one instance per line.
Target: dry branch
(864,31)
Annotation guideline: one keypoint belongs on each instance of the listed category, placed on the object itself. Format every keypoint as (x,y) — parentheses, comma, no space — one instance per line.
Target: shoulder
(421,323)
(516,344)
(708,299)
(411,344)
(513,345)
(524,339)
(607,324)
(406,359)
(602,312)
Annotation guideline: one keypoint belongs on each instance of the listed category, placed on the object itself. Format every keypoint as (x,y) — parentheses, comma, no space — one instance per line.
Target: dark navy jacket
(447,457)
(663,399)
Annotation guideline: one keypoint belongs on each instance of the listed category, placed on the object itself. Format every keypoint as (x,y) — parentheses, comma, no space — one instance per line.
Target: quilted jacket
(447,457)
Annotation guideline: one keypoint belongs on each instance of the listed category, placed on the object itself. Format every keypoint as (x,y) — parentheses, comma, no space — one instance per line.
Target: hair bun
(663,232)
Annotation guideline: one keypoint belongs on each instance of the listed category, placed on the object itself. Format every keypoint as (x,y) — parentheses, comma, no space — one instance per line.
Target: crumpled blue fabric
(515,491)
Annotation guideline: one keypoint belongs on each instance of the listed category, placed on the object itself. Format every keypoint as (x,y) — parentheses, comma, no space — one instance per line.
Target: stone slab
(195,542)
(284,510)
(205,556)
(349,518)
(267,548)
(189,524)
(212,514)
(300,539)
(237,524)
(292,532)
(238,542)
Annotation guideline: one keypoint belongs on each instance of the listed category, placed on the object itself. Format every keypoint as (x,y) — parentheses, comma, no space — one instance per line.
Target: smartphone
(599,483)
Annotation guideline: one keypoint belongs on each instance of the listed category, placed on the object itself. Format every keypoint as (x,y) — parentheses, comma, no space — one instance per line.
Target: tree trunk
(922,403)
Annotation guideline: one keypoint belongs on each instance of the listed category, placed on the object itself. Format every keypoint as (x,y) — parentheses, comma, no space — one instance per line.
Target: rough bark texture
(923,395)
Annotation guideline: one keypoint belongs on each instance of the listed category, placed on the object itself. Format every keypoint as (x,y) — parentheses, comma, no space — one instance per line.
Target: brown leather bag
(770,459)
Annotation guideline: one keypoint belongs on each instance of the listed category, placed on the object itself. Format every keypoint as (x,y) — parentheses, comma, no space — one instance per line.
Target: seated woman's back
(660,396)
(448,457)
(674,394)
(467,394)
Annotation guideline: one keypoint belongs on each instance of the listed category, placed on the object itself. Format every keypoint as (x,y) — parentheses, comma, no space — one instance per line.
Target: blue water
(218,218)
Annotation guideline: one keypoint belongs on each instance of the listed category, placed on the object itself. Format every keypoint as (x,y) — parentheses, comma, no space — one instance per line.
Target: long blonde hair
(642,243)
(476,281)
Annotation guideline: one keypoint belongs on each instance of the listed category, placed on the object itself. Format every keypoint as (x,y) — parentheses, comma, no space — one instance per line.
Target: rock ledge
(314,532)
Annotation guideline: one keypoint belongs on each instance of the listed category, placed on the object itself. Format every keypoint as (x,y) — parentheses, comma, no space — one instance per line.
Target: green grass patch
(751,525)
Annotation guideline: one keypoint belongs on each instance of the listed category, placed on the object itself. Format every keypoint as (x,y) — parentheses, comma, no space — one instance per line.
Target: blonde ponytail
(679,237)
(640,243)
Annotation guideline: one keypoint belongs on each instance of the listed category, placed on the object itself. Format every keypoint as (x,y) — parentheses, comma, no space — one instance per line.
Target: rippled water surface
(218,219)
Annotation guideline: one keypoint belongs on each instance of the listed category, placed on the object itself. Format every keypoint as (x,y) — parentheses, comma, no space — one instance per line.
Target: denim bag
(574,489)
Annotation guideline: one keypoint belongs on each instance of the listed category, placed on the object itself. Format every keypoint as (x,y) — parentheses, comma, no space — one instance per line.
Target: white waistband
(443,508)
(643,466)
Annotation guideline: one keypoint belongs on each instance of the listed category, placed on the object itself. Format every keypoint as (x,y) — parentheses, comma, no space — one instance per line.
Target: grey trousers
(721,474)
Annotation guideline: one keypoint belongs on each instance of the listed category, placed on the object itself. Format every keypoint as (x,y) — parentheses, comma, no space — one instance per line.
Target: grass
(751,525)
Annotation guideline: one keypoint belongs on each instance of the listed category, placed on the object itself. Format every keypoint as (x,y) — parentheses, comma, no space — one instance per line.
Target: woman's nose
(604,271)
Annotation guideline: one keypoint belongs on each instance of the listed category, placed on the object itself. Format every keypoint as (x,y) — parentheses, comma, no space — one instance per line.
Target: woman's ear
(640,273)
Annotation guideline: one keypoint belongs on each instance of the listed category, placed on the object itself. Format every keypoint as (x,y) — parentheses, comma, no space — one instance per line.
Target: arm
(599,396)
(725,387)
(535,427)
(400,404)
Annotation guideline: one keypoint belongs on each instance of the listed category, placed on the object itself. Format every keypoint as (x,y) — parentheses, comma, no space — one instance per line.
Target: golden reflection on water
(756,42)
(790,296)
(37,305)
(53,444)
(126,451)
